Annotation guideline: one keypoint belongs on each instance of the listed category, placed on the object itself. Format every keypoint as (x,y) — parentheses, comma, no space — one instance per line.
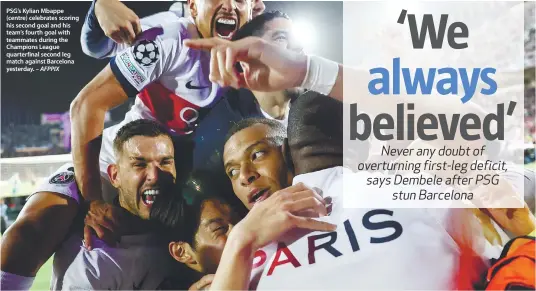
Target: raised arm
(269,68)
(125,76)
(87,111)
(110,26)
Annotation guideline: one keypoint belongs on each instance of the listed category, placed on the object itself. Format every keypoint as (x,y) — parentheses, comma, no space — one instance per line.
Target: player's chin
(144,212)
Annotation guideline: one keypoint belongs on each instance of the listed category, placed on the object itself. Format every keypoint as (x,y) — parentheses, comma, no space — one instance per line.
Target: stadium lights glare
(304,32)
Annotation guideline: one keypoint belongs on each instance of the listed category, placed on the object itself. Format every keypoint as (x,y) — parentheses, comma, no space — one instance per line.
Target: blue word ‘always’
(448,80)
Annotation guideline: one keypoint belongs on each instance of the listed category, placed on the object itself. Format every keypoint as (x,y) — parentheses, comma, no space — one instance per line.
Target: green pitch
(42,279)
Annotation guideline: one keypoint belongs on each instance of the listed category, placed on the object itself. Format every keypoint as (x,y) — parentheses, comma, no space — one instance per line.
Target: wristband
(15,282)
(321,74)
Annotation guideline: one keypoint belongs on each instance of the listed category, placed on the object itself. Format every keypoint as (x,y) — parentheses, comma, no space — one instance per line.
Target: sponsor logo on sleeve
(135,74)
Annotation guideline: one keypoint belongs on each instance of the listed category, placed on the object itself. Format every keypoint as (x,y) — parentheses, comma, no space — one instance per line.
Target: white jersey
(371,248)
(170,80)
(137,262)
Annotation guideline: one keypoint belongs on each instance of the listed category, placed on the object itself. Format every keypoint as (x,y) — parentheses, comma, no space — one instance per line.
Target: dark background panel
(25,96)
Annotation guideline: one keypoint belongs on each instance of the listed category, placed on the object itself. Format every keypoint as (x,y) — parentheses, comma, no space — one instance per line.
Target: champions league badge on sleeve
(62,178)
(146,53)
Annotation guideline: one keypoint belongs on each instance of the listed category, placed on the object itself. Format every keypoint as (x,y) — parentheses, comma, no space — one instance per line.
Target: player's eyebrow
(212,220)
(167,158)
(137,158)
(232,161)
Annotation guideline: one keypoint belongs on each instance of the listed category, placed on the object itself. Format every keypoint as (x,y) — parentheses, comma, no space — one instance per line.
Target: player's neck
(273,103)
(132,224)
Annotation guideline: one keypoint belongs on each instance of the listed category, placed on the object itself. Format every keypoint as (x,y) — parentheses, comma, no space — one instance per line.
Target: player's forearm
(20,239)
(337,91)
(236,262)
(40,227)
(93,40)
(87,123)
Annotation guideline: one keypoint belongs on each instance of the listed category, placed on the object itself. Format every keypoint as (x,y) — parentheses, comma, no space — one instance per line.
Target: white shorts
(107,157)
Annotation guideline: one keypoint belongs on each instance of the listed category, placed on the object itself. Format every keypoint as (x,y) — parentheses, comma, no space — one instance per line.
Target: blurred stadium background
(34,145)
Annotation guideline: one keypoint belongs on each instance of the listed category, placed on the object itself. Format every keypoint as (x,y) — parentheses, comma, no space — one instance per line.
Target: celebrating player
(111,26)
(169,79)
(144,169)
(373,241)
(196,225)
(274,27)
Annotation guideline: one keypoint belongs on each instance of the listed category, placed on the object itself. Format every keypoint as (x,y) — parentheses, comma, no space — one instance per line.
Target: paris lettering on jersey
(368,246)
(333,244)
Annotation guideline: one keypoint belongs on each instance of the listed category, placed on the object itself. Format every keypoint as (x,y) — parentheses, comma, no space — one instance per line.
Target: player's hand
(266,67)
(489,198)
(287,209)
(117,21)
(104,220)
(518,221)
(203,283)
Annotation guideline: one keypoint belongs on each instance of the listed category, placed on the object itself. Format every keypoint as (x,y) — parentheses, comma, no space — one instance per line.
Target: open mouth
(149,196)
(225,27)
(259,196)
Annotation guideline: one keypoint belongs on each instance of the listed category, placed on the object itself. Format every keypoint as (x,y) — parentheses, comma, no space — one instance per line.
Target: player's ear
(192,6)
(182,252)
(112,174)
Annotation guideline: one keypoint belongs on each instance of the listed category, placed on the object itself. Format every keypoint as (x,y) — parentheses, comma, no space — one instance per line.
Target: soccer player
(144,170)
(268,67)
(444,245)
(111,26)
(169,79)
(196,225)
(274,27)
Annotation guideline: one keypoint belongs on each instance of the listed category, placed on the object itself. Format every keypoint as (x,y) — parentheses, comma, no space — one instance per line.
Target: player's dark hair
(140,127)
(277,133)
(315,132)
(255,27)
(179,215)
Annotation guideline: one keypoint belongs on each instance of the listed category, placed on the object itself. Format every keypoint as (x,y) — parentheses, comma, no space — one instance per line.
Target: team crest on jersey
(146,53)
(62,178)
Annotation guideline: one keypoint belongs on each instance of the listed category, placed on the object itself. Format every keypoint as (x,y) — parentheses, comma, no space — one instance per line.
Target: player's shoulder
(176,29)
(62,181)
(159,19)
(96,269)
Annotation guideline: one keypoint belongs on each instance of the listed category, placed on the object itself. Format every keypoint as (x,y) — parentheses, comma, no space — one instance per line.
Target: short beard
(125,204)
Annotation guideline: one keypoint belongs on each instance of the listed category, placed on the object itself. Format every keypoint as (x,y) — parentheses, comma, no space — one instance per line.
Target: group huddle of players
(221,113)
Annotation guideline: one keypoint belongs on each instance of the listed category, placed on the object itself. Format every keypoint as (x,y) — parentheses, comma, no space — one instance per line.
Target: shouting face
(220,18)
(145,168)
